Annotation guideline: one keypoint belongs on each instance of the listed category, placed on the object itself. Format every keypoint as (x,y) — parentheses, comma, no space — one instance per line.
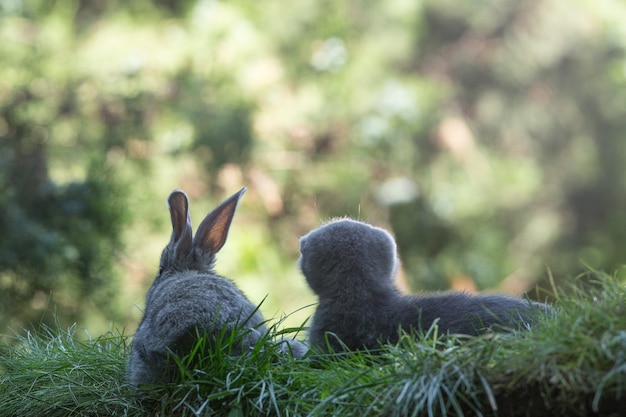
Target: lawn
(573,363)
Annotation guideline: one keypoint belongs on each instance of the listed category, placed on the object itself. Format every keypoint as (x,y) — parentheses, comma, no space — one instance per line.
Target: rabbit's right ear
(181,222)
(212,232)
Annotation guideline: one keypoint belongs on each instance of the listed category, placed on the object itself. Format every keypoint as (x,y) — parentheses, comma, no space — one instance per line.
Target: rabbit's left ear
(212,232)
(181,222)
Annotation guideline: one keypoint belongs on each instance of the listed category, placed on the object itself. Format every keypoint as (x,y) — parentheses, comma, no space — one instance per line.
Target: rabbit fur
(351,265)
(188,298)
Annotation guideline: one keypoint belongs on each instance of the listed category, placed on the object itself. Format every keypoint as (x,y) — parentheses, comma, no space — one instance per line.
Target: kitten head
(348,257)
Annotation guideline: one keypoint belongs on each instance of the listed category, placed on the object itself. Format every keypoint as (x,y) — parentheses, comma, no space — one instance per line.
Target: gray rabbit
(188,298)
(351,266)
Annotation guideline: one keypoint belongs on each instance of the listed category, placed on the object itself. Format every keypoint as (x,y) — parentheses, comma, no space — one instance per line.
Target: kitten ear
(181,222)
(213,231)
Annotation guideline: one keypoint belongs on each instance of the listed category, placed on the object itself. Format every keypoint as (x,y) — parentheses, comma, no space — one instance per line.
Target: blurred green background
(489,136)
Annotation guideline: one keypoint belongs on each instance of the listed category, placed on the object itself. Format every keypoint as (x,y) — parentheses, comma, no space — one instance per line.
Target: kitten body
(351,266)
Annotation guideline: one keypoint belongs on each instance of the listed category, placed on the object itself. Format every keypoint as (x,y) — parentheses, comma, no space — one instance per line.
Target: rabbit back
(181,309)
(192,299)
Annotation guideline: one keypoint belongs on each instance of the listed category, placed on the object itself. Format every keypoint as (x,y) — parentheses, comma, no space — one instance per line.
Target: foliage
(60,239)
(75,146)
(486,136)
(572,364)
(534,131)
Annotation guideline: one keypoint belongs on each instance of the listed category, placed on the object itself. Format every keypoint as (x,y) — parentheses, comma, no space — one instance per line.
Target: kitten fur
(351,266)
(188,298)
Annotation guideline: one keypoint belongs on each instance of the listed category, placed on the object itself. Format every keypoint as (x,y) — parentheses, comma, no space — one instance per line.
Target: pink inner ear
(213,231)
(212,237)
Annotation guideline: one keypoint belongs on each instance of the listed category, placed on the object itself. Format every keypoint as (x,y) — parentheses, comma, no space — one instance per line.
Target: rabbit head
(197,253)
(346,254)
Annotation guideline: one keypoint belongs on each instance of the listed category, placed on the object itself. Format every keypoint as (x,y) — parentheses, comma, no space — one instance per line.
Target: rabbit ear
(181,221)
(212,232)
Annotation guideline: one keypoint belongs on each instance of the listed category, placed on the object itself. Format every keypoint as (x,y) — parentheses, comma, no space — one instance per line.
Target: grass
(573,363)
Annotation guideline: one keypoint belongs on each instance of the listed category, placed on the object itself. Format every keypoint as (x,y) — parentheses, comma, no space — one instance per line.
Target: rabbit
(350,265)
(188,298)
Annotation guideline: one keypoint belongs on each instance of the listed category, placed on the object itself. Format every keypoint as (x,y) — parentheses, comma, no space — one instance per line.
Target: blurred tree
(505,115)
(221,119)
(56,241)
(499,125)
(78,141)
(540,84)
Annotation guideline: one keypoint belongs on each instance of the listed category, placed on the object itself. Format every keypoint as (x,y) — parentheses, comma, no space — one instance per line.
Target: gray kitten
(188,298)
(351,266)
